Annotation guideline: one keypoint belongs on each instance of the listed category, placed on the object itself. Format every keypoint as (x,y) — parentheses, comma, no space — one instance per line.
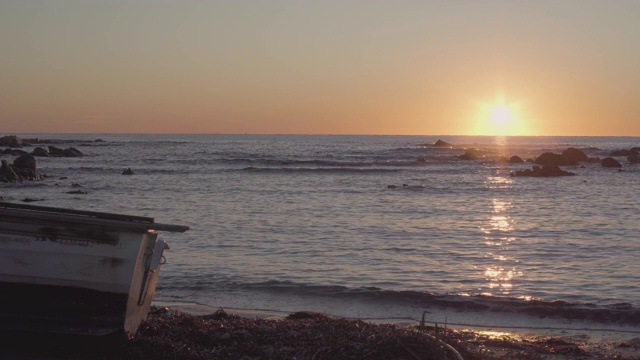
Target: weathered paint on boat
(77,272)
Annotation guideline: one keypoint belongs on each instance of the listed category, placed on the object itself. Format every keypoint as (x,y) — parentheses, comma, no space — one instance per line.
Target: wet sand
(174,334)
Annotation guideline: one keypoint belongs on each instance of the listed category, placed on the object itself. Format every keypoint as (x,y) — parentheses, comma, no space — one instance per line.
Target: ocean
(384,228)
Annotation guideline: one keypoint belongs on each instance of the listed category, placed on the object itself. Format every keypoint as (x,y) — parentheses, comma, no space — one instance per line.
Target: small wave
(620,313)
(337,170)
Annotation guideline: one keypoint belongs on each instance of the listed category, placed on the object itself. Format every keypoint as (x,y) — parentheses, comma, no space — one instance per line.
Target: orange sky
(321,67)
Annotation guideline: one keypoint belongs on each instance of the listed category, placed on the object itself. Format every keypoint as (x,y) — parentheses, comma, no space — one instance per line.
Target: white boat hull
(59,274)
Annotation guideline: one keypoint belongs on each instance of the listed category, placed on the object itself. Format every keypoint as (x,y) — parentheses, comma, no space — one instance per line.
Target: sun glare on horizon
(500,118)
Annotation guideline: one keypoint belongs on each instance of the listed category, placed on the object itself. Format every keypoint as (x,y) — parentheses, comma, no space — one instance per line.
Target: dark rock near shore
(22,169)
(610,162)
(8,173)
(441,143)
(634,158)
(575,155)
(550,158)
(128,171)
(546,170)
(27,162)
(515,159)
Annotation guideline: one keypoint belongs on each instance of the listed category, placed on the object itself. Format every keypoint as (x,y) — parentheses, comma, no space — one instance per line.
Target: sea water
(373,227)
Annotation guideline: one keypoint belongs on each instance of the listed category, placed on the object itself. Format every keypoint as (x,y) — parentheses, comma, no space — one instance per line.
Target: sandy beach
(174,334)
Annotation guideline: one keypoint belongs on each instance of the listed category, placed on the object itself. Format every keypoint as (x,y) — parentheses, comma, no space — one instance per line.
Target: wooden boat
(77,272)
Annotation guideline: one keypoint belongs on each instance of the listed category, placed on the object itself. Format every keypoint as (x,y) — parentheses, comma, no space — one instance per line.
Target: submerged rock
(547,170)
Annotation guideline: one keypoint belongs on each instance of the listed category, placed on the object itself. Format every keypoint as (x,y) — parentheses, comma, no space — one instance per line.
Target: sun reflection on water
(501,268)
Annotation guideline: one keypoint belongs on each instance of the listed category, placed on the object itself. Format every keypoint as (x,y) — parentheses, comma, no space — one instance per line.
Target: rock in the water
(40,152)
(25,162)
(544,171)
(8,173)
(620,153)
(13,141)
(128,171)
(634,158)
(575,155)
(515,159)
(54,151)
(610,162)
(470,154)
(441,143)
(550,158)
(72,152)
(77,192)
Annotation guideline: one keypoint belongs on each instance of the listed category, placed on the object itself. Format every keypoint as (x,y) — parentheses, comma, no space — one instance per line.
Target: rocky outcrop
(54,151)
(22,169)
(550,158)
(26,162)
(68,152)
(442,144)
(8,173)
(13,141)
(575,155)
(515,159)
(610,162)
(547,170)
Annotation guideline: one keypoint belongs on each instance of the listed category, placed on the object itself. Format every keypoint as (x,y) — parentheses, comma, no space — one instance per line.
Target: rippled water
(309,222)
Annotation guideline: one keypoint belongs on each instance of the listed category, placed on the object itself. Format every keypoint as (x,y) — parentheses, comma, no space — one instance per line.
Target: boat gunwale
(31,213)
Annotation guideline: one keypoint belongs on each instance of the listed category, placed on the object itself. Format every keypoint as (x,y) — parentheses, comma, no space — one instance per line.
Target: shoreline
(474,322)
(170,333)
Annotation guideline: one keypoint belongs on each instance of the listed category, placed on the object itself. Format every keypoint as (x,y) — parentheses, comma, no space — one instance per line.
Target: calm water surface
(309,222)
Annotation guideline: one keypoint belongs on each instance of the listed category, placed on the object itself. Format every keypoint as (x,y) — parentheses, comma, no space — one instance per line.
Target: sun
(499,118)
(500,114)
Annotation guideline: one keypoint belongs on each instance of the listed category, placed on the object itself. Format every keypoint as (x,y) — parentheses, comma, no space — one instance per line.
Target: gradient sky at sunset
(325,67)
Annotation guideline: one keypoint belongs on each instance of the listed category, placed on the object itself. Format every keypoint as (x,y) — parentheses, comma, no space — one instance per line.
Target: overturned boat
(77,272)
